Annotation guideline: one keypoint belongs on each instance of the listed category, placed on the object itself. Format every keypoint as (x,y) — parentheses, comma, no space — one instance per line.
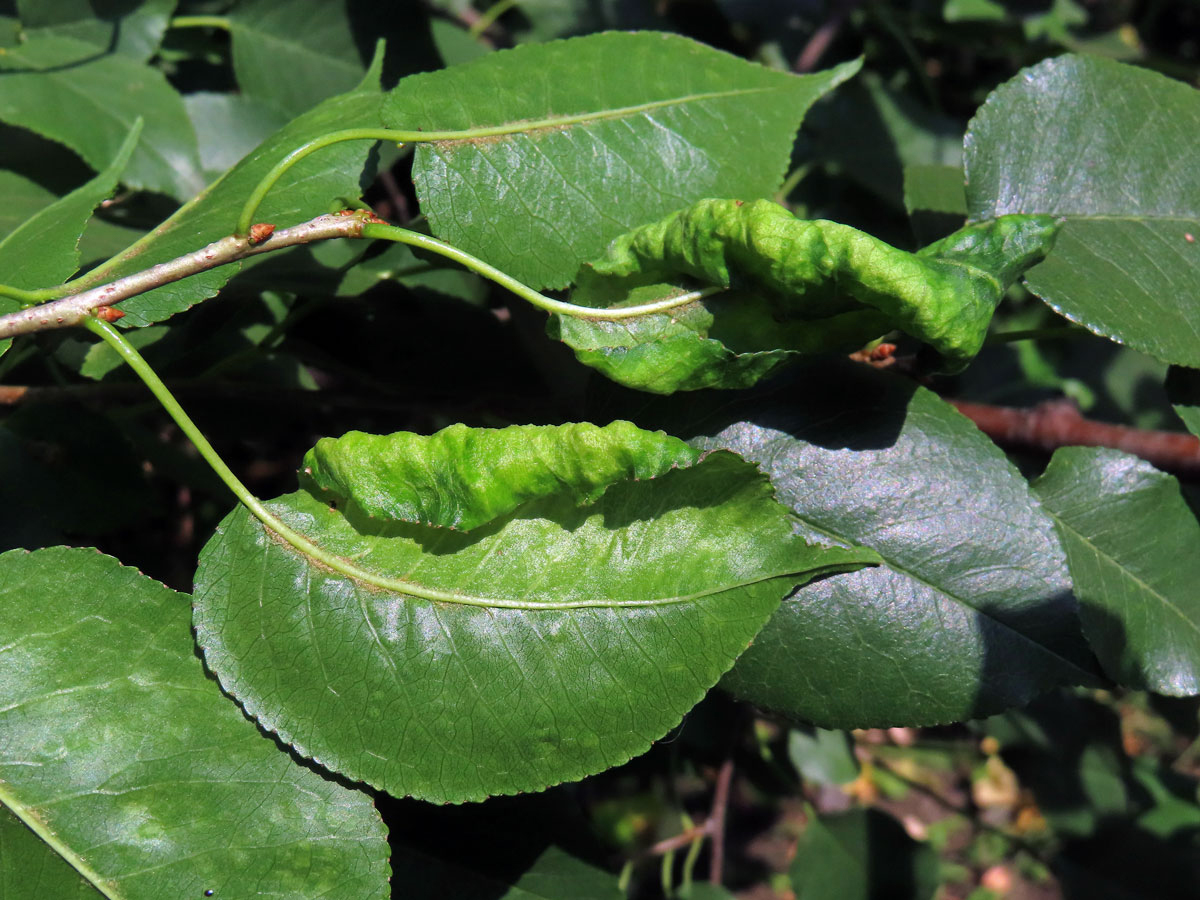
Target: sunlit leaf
(551,641)
(1112,149)
(123,757)
(793,287)
(580,140)
(1132,541)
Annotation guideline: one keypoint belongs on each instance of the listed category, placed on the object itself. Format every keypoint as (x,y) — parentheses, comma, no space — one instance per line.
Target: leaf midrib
(524,126)
(348,569)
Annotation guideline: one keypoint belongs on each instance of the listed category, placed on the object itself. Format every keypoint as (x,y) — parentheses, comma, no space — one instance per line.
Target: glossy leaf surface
(72,92)
(1112,148)
(1133,546)
(119,751)
(795,287)
(309,188)
(580,140)
(44,250)
(552,642)
(972,610)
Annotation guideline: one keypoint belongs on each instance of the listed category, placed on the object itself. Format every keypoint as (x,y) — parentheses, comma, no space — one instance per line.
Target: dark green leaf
(550,643)
(971,612)
(44,249)
(861,855)
(29,868)
(796,287)
(23,198)
(554,875)
(132,28)
(872,133)
(308,189)
(581,140)
(1112,149)
(1132,541)
(69,91)
(1183,390)
(294,53)
(121,753)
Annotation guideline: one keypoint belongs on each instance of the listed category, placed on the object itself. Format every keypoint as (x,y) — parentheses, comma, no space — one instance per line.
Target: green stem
(493,12)
(478,266)
(162,393)
(22,296)
(221,22)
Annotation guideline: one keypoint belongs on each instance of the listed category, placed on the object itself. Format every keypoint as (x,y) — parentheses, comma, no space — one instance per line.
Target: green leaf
(308,189)
(132,28)
(861,855)
(795,287)
(871,132)
(551,643)
(1111,148)
(229,126)
(935,188)
(1183,390)
(465,477)
(292,54)
(122,755)
(31,869)
(23,199)
(70,92)
(554,875)
(822,756)
(971,612)
(580,140)
(44,249)
(1132,542)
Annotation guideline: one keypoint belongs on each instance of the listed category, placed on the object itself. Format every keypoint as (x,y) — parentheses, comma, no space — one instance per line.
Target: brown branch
(716,822)
(681,840)
(823,37)
(71,310)
(1059,424)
